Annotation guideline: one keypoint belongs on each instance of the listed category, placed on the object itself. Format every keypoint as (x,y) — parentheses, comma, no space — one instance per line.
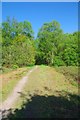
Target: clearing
(47,93)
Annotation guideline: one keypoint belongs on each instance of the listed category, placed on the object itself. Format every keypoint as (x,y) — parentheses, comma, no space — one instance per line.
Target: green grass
(49,92)
(70,72)
(9,79)
(46,81)
(6,70)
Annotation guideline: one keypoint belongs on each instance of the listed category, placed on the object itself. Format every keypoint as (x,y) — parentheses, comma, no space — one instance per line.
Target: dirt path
(7,104)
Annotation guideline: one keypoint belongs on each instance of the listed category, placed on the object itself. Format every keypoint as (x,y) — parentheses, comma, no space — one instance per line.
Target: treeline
(51,47)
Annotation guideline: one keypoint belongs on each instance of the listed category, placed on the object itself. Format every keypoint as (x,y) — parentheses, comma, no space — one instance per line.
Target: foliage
(17,43)
(13,28)
(15,66)
(20,53)
(55,47)
(51,47)
(58,61)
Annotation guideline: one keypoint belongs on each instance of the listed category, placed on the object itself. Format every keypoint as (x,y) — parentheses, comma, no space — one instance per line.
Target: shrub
(20,53)
(58,61)
(15,66)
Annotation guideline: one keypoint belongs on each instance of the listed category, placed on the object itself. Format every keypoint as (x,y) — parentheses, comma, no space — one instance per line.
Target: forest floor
(46,93)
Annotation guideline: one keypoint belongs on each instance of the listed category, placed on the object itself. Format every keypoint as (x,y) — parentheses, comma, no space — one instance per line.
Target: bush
(20,53)
(15,66)
(70,56)
(58,62)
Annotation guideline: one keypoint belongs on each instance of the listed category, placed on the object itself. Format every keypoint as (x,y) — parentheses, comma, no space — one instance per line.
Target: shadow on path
(46,107)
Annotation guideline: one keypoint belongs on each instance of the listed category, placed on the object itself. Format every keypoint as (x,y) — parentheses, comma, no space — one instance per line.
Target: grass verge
(9,79)
(47,94)
(46,81)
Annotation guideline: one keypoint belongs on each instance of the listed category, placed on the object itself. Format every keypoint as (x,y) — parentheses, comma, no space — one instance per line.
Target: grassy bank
(10,78)
(48,93)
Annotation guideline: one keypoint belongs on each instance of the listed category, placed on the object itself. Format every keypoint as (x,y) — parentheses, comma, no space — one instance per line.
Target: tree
(51,47)
(20,53)
(49,37)
(13,28)
(55,47)
(17,42)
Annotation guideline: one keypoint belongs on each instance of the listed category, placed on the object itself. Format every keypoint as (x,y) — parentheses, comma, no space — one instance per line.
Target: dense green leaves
(12,28)
(55,47)
(51,47)
(17,41)
(20,53)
